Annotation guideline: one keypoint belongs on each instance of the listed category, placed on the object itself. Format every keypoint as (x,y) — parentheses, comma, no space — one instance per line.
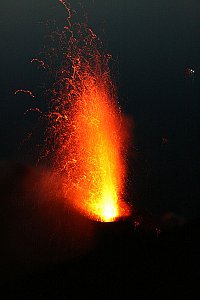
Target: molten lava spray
(88,127)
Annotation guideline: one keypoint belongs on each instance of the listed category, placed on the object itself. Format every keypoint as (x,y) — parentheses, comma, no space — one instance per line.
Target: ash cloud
(38,226)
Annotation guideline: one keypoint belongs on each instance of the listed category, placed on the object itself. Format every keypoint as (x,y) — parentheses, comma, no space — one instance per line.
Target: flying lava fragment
(87,126)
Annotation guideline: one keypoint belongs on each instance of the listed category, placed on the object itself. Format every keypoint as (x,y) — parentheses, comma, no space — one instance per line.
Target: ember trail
(87,126)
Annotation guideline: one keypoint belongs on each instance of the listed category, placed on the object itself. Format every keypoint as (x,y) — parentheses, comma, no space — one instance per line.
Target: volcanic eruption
(87,126)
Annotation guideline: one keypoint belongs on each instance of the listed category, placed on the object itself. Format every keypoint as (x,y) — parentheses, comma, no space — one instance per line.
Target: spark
(63,2)
(25,92)
(36,109)
(41,62)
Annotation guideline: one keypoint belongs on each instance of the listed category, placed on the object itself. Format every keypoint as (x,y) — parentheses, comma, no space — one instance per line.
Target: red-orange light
(88,126)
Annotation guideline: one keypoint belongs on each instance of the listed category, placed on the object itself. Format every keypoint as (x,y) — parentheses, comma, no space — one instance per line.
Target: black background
(152,44)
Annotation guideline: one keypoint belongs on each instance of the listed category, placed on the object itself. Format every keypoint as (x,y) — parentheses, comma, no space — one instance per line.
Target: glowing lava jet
(88,128)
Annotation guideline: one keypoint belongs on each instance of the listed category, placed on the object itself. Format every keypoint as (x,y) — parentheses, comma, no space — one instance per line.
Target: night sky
(152,44)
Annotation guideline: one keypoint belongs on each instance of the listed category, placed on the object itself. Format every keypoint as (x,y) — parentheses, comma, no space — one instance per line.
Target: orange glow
(99,166)
(87,125)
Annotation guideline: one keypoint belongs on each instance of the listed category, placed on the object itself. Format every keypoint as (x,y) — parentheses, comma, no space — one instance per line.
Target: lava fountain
(88,127)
